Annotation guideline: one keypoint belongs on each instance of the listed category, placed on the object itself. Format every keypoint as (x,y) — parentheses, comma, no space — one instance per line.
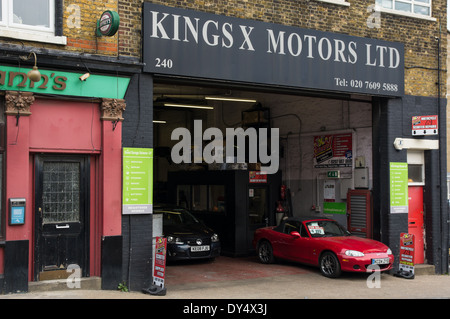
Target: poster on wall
(425,125)
(17,216)
(333,150)
(137,181)
(257,177)
(329,191)
(398,175)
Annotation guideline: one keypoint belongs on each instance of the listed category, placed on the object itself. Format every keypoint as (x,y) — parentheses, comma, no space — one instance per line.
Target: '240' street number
(163,63)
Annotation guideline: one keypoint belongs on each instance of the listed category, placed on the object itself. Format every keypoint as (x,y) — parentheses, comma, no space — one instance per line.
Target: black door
(62,210)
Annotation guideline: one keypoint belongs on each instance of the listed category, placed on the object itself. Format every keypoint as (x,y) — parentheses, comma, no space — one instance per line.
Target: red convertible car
(321,242)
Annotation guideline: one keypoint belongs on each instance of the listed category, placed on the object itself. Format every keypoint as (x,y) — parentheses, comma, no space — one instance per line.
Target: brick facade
(79,25)
(419,36)
(81,36)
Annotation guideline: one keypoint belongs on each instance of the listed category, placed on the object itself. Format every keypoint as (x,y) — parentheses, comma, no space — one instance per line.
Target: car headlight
(389,251)
(174,240)
(214,238)
(354,253)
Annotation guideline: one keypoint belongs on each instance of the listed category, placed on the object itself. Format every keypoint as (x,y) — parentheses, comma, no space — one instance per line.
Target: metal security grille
(61,192)
(360,213)
(358,219)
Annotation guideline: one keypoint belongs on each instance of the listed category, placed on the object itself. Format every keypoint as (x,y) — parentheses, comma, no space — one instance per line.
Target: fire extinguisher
(281,213)
(283,192)
(280,208)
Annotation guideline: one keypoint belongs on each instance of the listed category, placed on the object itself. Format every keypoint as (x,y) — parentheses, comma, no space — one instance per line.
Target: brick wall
(79,25)
(81,35)
(130,28)
(418,35)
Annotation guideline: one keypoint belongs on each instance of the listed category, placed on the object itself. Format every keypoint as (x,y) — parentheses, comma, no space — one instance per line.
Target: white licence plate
(200,248)
(380,261)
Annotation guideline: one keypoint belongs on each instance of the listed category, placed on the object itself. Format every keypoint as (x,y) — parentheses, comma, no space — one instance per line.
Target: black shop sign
(196,44)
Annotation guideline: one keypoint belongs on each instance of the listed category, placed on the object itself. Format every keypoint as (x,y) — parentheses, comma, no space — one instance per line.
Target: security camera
(84,77)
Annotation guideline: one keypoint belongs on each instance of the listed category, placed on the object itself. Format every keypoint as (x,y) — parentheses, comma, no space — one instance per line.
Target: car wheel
(265,252)
(329,265)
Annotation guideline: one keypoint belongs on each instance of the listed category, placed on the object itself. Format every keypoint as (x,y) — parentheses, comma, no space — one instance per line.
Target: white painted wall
(318,116)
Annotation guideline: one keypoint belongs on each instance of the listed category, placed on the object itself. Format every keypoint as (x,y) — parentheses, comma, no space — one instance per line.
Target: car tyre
(329,265)
(265,252)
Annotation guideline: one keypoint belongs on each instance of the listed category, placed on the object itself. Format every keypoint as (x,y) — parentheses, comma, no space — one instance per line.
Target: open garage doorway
(225,195)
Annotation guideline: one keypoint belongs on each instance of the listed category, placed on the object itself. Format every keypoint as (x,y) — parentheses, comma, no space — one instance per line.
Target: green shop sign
(64,83)
(398,175)
(137,181)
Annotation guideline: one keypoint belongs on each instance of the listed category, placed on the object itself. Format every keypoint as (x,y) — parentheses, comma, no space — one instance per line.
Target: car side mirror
(295,234)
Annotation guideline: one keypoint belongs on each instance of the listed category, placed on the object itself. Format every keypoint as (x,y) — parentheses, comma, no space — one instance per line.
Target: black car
(187,237)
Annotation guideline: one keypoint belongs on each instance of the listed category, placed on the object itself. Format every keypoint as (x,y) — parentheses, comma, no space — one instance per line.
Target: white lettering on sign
(213,33)
(189,43)
(382,54)
(210,32)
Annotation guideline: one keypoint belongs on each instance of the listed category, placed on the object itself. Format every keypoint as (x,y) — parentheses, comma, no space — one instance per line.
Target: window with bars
(61,192)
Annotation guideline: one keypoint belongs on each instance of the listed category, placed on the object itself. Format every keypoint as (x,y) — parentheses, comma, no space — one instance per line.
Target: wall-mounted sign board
(137,181)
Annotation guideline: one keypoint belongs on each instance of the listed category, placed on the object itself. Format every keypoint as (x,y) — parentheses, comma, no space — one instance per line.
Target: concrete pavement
(300,286)
(316,286)
(228,278)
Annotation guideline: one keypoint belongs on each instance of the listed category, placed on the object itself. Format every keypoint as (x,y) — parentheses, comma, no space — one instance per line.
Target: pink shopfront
(61,174)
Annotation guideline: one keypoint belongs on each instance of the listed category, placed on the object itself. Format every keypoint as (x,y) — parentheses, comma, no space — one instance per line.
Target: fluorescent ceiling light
(189,106)
(159,121)
(219,98)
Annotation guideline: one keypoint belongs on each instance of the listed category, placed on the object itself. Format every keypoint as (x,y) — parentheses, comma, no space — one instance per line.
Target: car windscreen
(326,228)
(178,217)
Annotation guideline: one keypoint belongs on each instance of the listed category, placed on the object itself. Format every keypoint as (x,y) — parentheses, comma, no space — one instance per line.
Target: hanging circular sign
(108,24)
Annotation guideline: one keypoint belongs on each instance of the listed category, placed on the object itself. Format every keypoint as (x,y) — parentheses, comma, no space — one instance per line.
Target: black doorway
(61,215)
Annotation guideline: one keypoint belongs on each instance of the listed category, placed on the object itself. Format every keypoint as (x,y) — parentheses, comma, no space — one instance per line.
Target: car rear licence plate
(380,261)
(200,248)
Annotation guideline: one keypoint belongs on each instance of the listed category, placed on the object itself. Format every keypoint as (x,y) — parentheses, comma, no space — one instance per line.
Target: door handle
(62,226)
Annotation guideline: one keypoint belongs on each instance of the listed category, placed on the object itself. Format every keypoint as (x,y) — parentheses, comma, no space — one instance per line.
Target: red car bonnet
(363,245)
